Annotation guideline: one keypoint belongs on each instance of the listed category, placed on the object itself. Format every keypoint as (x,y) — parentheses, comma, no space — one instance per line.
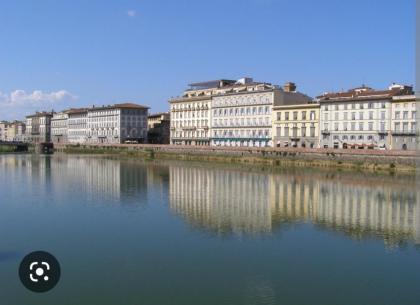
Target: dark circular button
(39,271)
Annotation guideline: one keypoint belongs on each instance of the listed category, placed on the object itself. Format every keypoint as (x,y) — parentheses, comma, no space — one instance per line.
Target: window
(370,115)
(383,105)
(397,126)
(345,137)
(370,137)
(360,137)
(303,131)
(353,106)
(303,115)
(353,116)
(360,115)
(295,115)
(405,127)
(353,126)
(286,131)
(336,107)
(326,116)
(312,130)
(370,105)
(352,137)
(278,130)
(370,126)
(361,126)
(336,126)
(313,115)
(286,116)
(336,116)
(345,116)
(382,115)
(413,115)
(397,115)
(413,127)
(278,116)
(382,126)
(295,131)
(405,115)
(325,126)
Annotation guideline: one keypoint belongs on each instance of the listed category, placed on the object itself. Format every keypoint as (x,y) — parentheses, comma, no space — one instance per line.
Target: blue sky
(57,54)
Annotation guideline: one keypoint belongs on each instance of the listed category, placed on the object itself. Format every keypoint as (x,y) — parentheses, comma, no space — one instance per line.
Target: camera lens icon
(39,271)
(39,274)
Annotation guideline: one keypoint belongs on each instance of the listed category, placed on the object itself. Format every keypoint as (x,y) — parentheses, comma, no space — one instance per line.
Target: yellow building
(296,125)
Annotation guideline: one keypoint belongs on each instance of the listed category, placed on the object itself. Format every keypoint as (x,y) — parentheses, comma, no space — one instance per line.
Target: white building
(242,112)
(59,127)
(191,113)
(404,122)
(38,127)
(117,123)
(77,126)
(228,112)
(359,118)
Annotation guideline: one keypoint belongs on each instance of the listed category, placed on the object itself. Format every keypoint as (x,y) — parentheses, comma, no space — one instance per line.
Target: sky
(56,54)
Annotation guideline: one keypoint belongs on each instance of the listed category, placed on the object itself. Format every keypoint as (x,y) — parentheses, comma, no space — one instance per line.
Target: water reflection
(236,201)
(98,178)
(243,202)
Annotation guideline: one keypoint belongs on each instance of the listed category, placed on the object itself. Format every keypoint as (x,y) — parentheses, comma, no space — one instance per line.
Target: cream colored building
(404,122)
(191,113)
(296,125)
(359,118)
(229,112)
(4,127)
(59,127)
(12,132)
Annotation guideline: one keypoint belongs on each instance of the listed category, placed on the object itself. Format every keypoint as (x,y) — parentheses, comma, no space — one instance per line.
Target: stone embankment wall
(349,158)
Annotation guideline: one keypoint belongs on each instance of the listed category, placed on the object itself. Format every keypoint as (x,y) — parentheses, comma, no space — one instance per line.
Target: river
(131,232)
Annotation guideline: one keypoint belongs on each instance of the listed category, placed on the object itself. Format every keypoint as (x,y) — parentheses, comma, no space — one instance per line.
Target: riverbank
(369,160)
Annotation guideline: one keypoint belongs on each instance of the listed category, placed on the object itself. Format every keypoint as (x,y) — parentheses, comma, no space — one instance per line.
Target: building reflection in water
(98,178)
(231,200)
(237,201)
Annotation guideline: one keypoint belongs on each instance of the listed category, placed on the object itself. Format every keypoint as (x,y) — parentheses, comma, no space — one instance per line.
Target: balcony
(326,132)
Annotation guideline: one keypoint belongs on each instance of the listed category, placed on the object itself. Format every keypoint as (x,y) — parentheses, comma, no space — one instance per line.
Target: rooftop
(366,93)
(120,106)
(40,114)
(155,115)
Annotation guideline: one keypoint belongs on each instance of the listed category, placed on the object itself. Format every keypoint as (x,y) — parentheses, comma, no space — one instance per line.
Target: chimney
(289,87)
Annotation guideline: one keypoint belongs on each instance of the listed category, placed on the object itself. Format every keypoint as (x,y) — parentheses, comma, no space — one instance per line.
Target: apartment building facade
(117,123)
(191,113)
(4,126)
(404,122)
(77,125)
(235,113)
(359,118)
(59,127)
(296,125)
(38,127)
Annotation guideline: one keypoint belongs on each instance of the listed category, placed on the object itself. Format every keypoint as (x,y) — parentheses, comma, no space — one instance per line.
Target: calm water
(129,232)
